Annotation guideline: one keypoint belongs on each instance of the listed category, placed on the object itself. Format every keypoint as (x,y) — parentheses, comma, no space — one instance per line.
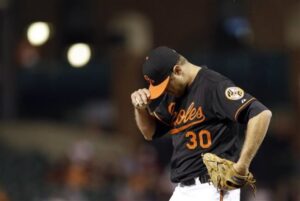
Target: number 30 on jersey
(201,139)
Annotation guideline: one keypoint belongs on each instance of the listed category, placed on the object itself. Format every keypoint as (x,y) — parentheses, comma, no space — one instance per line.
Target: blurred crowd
(80,176)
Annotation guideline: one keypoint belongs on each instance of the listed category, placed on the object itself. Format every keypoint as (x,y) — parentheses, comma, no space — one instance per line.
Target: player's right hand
(140,98)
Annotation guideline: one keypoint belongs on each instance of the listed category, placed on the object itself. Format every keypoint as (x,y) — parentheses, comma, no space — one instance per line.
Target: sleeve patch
(234,93)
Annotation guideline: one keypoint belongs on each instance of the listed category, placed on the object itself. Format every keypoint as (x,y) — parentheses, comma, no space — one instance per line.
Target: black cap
(157,69)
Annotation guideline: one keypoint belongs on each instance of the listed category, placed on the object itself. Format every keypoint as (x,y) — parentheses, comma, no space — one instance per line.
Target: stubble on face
(175,88)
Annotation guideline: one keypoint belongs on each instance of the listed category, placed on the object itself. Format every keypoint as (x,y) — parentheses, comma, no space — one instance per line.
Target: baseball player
(202,110)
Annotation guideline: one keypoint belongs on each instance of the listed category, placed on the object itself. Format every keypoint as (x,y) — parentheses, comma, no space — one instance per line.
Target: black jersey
(204,119)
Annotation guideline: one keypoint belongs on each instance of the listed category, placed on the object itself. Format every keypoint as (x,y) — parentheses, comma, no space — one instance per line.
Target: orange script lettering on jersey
(183,116)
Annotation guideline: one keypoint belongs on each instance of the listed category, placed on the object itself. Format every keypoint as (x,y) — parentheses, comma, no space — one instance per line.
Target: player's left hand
(240,169)
(224,176)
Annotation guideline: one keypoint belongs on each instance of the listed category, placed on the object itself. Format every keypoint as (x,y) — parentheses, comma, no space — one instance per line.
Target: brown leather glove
(222,174)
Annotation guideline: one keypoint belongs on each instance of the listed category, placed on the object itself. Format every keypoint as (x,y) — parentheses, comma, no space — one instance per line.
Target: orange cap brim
(157,90)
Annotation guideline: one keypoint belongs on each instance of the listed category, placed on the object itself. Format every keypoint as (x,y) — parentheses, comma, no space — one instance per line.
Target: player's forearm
(256,130)
(145,123)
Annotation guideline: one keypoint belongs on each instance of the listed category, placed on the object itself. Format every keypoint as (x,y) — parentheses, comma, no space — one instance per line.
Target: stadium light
(38,33)
(79,54)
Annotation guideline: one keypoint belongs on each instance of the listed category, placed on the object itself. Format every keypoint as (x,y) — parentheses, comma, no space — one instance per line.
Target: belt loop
(203,179)
(197,180)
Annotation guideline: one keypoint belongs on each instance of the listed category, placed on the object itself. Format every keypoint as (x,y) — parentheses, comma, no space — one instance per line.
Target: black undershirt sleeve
(160,130)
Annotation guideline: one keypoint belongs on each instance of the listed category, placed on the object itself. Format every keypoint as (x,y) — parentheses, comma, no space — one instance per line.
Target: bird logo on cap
(148,79)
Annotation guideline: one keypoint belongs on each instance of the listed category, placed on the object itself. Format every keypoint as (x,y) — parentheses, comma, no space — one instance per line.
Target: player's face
(176,85)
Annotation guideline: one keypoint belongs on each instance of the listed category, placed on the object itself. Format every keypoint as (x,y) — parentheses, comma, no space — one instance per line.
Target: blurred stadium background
(67,68)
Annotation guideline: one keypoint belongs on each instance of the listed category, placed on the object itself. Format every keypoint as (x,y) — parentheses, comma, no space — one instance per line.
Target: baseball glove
(222,174)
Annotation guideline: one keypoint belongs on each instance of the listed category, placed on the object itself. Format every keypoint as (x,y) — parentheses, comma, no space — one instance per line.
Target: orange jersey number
(203,139)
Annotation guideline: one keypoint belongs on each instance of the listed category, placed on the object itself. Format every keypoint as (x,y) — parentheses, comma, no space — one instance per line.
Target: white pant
(203,192)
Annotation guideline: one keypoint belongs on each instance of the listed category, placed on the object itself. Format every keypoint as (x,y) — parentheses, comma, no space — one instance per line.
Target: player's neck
(192,73)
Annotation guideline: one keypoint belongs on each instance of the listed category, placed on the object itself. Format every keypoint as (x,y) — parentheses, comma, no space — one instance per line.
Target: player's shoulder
(214,77)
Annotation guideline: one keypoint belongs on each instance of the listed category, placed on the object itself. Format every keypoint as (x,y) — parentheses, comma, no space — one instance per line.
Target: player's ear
(177,70)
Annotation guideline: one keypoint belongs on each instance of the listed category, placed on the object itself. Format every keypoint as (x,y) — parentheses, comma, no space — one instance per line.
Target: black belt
(190,182)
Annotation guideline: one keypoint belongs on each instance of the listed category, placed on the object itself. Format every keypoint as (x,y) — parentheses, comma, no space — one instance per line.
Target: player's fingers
(139,100)
(147,92)
(143,96)
(135,99)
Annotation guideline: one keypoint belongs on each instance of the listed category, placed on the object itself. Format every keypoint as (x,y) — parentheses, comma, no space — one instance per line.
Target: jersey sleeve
(160,130)
(251,110)
(163,119)
(229,100)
